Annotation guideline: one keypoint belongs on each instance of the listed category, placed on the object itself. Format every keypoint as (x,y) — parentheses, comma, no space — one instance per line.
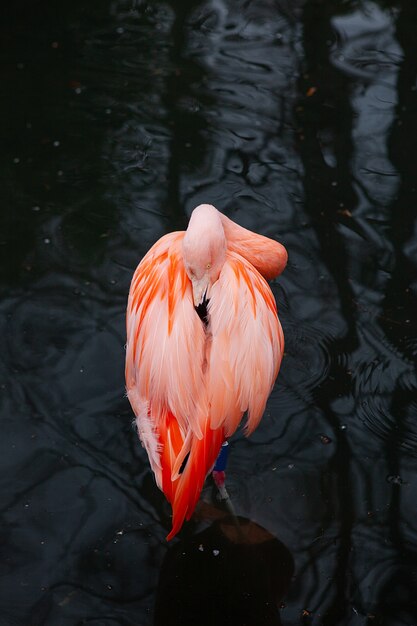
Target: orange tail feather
(172,441)
(184,491)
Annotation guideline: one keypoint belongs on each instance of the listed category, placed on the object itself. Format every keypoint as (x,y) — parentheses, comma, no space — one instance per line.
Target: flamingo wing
(165,365)
(247,345)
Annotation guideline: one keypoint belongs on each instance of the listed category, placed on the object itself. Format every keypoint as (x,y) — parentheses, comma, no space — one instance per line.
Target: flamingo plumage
(190,376)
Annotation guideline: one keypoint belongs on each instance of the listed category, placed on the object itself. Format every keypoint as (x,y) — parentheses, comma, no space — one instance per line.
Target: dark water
(299,120)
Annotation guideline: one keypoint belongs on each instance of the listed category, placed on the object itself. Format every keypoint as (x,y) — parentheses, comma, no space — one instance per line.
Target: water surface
(298,120)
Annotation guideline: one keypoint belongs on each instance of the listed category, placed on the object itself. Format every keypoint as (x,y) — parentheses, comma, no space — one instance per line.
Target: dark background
(298,119)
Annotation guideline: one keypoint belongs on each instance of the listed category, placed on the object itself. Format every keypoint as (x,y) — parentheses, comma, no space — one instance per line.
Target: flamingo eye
(208,266)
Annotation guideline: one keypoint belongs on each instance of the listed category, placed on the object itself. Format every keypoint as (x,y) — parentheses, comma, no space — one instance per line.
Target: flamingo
(204,345)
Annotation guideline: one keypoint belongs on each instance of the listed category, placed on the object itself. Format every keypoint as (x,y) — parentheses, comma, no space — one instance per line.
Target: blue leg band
(221,462)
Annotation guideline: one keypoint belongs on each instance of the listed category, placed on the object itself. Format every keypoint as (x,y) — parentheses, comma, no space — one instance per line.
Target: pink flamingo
(204,345)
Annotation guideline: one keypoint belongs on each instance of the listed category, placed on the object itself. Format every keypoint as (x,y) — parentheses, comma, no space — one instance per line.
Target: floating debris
(395,480)
(325,439)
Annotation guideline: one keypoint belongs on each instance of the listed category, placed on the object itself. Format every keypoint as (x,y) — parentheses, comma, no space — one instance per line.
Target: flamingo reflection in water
(234,572)
(204,345)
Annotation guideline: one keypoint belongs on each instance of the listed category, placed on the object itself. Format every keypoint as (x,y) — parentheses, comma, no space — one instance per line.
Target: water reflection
(234,572)
(298,120)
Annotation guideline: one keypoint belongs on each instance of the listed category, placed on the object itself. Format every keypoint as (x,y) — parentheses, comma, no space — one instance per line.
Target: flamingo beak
(200,290)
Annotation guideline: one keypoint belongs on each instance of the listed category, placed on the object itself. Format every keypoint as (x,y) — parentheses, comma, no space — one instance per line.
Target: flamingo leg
(219,471)
(219,476)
